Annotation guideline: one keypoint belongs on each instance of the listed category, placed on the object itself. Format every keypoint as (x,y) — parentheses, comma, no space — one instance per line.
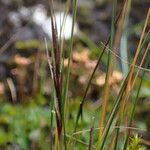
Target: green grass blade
(66,86)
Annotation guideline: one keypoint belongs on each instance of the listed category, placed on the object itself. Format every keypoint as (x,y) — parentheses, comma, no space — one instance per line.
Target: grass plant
(118,114)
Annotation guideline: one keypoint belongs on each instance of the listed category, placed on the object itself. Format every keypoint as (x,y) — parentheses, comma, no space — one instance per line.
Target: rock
(40,18)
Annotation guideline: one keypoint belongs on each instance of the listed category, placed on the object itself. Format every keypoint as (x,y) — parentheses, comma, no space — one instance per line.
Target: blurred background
(25,82)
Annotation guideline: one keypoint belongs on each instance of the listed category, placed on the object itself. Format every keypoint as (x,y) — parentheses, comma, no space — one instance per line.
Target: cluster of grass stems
(122,111)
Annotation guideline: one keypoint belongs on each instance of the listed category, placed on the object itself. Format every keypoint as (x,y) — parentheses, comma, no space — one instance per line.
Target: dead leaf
(22,61)
(100,80)
(81,56)
(83,79)
(114,79)
(2,88)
